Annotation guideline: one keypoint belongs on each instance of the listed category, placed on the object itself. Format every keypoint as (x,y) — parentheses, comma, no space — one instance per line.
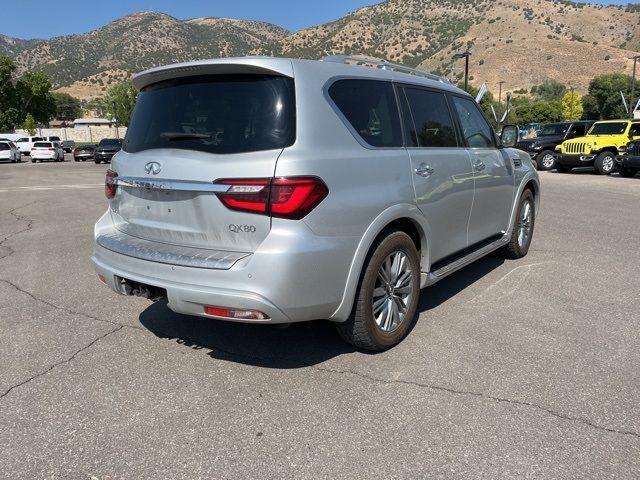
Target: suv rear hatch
(187,133)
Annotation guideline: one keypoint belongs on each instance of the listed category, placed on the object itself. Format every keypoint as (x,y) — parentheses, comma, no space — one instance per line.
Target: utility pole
(115,118)
(500,83)
(632,102)
(466,56)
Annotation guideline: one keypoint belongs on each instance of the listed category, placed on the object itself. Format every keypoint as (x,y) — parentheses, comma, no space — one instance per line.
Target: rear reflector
(233,314)
(102,278)
(284,197)
(110,184)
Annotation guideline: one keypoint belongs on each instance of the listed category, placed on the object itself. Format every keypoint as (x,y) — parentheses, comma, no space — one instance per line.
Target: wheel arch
(406,218)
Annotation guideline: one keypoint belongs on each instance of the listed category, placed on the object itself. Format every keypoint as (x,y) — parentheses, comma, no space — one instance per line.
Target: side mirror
(510,135)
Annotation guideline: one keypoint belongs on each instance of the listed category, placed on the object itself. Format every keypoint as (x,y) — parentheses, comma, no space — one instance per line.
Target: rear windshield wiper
(171,136)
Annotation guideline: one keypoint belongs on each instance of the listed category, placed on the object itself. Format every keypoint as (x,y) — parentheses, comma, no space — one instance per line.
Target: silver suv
(273,190)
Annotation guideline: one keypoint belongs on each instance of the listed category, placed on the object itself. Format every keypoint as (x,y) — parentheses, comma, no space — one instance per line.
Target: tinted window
(554,129)
(110,142)
(23,140)
(4,146)
(42,144)
(37,139)
(370,107)
(616,128)
(579,129)
(432,123)
(217,114)
(54,139)
(475,129)
(635,130)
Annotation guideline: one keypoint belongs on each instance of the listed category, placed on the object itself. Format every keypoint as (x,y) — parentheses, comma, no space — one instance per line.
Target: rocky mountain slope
(520,41)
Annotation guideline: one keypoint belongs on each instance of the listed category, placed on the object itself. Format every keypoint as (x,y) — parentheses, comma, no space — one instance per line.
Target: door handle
(479,166)
(424,170)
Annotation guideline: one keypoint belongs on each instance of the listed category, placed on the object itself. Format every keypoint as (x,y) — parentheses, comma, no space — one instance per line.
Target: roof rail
(382,65)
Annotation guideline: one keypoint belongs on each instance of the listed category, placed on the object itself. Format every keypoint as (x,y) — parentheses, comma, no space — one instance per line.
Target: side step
(459,262)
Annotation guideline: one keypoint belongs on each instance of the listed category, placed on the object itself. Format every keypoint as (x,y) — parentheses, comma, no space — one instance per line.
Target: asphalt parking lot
(515,369)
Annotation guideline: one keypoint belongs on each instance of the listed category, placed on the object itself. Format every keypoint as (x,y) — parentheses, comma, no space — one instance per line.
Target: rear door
(442,174)
(186,134)
(492,172)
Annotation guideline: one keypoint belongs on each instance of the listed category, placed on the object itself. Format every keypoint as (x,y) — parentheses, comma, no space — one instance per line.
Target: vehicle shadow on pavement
(301,344)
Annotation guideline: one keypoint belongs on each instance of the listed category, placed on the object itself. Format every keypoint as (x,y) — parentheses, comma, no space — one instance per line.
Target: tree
(67,107)
(34,89)
(604,101)
(119,101)
(487,100)
(572,106)
(549,90)
(30,125)
(9,112)
(543,112)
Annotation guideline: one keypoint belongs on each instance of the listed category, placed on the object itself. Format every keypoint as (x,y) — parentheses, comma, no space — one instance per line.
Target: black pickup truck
(629,163)
(541,148)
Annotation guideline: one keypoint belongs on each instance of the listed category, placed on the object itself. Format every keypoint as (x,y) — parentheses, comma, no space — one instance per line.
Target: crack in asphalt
(231,355)
(63,362)
(20,218)
(484,396)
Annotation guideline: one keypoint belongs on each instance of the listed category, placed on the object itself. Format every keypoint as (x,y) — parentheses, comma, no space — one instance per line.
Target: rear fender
(391,214)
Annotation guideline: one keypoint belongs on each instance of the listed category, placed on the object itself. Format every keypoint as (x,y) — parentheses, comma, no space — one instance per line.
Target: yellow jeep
(599,148)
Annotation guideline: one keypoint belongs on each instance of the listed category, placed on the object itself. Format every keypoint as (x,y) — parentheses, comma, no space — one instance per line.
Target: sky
(45,19)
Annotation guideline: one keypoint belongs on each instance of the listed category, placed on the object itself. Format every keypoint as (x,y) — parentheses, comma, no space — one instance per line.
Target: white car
(9,152)
(49,151)
(25,144)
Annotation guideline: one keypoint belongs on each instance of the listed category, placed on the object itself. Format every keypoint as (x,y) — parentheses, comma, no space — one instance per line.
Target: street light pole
(466,56)
(632,104)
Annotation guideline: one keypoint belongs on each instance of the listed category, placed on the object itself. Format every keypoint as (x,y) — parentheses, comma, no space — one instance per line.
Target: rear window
(110,142)
(215,114)
(42,144)
(370,107)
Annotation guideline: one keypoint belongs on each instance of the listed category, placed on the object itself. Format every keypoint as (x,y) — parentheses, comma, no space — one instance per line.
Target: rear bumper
(103,156)
(574,160)
(294,276)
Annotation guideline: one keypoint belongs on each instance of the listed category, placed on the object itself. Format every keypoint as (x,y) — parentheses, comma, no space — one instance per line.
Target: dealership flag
(624,102)
(506,112)
(483,90)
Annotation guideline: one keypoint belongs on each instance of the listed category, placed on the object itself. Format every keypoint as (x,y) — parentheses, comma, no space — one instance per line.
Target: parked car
(84,153)
(25,144)
(598,148)
(49,151)
(280,190)
(9,152)
(542,148)
(629,162)
(106,149)
(68,145)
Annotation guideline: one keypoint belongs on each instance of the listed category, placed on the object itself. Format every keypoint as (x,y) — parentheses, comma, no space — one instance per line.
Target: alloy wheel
(392,291)
(524,224)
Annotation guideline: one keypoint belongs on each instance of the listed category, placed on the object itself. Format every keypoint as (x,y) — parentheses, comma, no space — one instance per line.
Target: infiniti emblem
(153,168)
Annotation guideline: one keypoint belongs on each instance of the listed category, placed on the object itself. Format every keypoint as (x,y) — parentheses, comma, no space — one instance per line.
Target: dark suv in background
(541,148)
(629,163)
(106,149)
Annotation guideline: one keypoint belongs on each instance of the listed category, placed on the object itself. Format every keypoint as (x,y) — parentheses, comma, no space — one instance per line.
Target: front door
(492,170)
(442,174)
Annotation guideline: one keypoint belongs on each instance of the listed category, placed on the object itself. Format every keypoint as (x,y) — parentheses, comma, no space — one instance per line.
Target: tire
(76,159)
(97,162)
(523,227)
(627,172)
(33,160)
(563,168)
(604,163)
(545,160)
(362,329)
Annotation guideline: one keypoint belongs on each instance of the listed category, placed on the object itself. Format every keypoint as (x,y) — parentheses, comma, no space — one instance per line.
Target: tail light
(51,149)
(110,184)
(285,197)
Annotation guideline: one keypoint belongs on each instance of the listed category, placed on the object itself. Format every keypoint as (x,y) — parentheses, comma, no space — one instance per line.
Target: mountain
(522,42)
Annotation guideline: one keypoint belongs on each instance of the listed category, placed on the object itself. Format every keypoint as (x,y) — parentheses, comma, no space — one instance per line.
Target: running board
(437,275)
